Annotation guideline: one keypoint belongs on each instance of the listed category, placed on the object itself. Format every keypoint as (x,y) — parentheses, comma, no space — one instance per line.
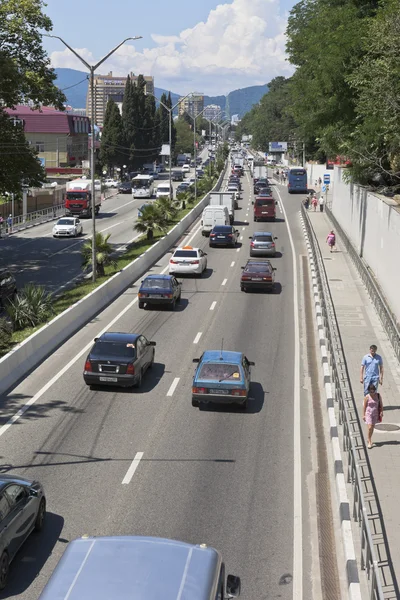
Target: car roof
(258,261)
(115,336)
(262,233)
(222,356)
(7,479)
(160,276)
(187,248)
(134,568)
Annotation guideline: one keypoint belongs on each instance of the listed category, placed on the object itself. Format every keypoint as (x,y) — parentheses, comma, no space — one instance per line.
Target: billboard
(277,146)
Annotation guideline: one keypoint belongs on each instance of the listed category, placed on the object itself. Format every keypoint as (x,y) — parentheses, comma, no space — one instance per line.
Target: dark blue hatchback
(159,289)
(223,235)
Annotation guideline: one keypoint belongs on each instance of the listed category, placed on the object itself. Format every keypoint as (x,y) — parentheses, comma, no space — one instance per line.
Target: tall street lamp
(92,69)
(170,110)
(195,149)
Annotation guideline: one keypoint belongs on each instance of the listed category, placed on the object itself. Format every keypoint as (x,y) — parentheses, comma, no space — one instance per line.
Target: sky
(187,46)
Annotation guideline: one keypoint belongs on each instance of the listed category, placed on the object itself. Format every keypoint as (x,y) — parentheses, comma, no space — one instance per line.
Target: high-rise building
(212,112)
(193,105)
(106,87)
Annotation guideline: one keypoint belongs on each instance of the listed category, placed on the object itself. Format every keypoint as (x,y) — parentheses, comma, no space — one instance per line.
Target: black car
(177,176)
(160,289)
(119,359)
(125,187)
(223,235)
(182,187)
(8,286)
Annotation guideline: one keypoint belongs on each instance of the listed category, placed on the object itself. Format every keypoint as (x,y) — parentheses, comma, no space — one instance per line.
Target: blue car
(140,209)
(159,289)
(221,377)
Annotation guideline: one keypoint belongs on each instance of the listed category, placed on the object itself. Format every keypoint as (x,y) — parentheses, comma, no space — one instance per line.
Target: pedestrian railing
(348,418)
(389,322)
(34,218)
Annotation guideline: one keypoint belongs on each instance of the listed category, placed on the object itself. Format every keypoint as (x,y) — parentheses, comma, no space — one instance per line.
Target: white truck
(260,171)
(224,199)
(213,215)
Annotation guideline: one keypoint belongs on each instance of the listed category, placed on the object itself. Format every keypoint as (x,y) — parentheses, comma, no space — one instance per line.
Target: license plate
(264,212)
(220,392)
(256,279)
(221,237)
(113,379)
(156,296)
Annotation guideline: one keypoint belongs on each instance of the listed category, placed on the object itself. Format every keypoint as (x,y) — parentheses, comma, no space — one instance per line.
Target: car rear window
(103,349)
(257,268)
(220,371)
(157,283)
(264,201)
(222,229)
(186,253)
(263,238)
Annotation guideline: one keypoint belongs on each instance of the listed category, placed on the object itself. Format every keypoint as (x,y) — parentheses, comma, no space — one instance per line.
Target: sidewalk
(360,327)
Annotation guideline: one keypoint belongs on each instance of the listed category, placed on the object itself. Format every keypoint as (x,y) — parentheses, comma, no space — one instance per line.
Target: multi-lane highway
(145,462)
(34,256)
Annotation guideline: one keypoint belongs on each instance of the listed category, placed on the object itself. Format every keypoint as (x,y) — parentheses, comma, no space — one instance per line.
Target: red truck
(78,198)
(264,208)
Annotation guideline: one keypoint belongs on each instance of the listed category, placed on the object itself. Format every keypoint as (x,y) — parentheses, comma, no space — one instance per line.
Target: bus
(142,186)
(297,180)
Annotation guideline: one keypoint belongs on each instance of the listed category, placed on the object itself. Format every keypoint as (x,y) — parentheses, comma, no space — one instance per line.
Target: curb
(353,581)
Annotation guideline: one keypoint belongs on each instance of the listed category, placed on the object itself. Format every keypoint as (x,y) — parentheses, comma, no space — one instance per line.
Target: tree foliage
(112,139)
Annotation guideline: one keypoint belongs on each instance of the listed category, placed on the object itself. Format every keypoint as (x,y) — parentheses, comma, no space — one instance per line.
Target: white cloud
(240,44)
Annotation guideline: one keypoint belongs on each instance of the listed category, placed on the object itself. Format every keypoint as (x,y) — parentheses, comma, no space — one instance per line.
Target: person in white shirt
(321,203)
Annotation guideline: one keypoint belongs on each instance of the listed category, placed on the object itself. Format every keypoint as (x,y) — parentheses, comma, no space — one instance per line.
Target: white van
(214,215)
(164,191)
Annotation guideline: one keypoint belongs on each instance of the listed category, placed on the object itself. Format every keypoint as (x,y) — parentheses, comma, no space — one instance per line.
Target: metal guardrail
(392,328)
(348,416)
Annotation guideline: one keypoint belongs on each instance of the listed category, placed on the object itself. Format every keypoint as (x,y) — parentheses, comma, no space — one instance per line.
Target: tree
(129,112)
(104,251)
(167,209)
(150,220)
(173,128)
(164,120)
(112,139)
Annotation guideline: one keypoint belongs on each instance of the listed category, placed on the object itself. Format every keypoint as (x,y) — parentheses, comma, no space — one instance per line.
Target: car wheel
(173,304)
(139,380)
(4,569)
(195,403)
(40,517)
(179,298)
(244,404)
(141,304)
(152,362)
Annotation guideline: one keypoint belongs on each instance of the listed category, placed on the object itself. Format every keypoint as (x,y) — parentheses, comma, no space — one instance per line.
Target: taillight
(272,244)
(252,244)
(266,278)
(88,366)
(229,235)
(246,277)
(238,392)
(173,262)
(212,234)
(199,390)
(195,262)
(142,295)
(168,295)
(130,369)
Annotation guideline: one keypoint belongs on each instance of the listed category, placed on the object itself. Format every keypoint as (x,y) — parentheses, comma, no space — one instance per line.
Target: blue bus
(297,180)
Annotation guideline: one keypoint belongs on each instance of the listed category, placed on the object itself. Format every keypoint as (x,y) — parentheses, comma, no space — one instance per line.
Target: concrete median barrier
(27,355)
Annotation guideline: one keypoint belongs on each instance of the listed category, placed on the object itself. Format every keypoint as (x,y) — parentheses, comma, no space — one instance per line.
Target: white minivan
(214,215)
(164,191)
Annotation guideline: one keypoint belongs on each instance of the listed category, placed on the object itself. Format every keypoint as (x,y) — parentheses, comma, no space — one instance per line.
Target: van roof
(134,568)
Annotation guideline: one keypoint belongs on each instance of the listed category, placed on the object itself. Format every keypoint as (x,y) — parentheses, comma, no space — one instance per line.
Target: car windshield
(157,283)
(65,222)
(186,253)
(222,229)
(110,349)
(263,238)
(220,372)
(257,268)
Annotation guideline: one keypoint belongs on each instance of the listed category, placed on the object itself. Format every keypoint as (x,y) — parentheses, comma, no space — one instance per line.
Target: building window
(39,146)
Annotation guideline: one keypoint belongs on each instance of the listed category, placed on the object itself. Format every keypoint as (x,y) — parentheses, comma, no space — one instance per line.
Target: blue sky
(207,46)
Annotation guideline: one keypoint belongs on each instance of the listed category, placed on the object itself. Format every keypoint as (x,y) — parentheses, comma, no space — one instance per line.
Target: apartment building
(106,87)
(193,105)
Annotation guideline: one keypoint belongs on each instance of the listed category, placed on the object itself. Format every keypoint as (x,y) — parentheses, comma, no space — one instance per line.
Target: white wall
(314,172)
(372,224)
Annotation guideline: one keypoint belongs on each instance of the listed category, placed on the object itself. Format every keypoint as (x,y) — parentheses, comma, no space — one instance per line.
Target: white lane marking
(213,305)
(241,237)
(243,228)
(233,263)
(134,465)
(297,480)
(56,377)
(224,282)
(237,249)
(173,386)
(197,338)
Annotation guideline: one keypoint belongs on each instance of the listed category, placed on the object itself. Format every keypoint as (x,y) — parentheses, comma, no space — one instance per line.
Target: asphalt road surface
(34,256)
(232,479)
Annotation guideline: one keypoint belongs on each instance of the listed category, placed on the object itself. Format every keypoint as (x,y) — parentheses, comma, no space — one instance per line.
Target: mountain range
(75,84)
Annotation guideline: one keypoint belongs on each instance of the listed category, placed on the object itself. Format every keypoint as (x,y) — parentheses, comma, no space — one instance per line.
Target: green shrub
(31,306)
(5,336)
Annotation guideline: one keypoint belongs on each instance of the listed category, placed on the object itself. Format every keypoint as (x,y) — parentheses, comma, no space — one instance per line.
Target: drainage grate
(335,279)
(326,258)
(387,427)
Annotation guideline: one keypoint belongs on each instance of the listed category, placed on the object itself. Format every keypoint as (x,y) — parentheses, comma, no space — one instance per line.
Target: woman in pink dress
(373,411)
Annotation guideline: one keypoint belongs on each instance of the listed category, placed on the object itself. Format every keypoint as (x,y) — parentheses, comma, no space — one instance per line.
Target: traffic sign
(327,178)
(324,188)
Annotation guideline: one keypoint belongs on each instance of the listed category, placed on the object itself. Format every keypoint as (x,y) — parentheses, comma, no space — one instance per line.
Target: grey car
(22,510)
(262,244)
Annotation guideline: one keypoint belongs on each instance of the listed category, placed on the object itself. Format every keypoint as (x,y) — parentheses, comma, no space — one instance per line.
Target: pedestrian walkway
(360,327)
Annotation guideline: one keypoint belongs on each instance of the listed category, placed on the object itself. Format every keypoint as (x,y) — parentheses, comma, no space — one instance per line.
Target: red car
(257,274)
(264,208)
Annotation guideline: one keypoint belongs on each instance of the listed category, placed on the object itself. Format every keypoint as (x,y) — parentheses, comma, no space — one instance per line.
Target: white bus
(142,186)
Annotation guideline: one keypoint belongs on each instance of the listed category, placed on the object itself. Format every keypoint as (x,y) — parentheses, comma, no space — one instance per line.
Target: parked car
(110,183)
(221,377)
(159,290)
(257,274)
(22,510)
(125,187)
(119,359)
(262,244)
(8,286)
(68,227)
(223,235)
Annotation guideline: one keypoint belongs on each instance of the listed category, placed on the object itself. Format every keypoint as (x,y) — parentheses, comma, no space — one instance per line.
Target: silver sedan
(262,244)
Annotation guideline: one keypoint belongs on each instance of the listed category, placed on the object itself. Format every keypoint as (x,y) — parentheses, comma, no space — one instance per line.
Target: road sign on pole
(327,178)
(323,189)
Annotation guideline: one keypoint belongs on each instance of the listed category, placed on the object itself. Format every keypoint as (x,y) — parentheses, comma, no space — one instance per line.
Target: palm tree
(150,220)
(103,253)
(167,208)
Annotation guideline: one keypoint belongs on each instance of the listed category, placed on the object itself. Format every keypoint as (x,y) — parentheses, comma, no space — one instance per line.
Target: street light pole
(92,69)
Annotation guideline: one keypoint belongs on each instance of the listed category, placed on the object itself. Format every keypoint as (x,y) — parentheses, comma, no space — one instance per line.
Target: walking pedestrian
(307,203)
(321,203)
(331,240)
(319,181)
(314,202)
(373,411)
(9,223)
(371,372)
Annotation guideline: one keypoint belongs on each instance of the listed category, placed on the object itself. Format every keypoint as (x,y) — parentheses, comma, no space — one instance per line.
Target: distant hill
(75,83)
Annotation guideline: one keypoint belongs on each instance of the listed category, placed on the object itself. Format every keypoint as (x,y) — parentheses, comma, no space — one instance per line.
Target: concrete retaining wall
(38,346)
(372,224)
(314,172)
